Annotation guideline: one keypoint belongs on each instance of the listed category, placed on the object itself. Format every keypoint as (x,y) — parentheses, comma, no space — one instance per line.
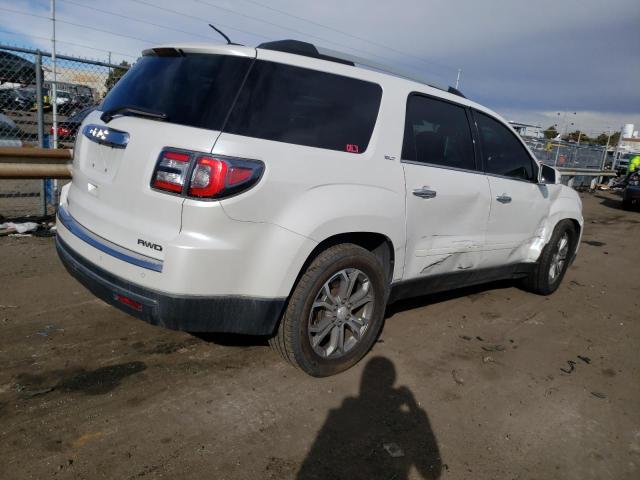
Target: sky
(575,63)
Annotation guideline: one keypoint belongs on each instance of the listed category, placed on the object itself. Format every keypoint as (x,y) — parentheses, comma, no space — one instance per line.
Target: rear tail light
(204,176)
(62,131)
(208,177)
(171,171)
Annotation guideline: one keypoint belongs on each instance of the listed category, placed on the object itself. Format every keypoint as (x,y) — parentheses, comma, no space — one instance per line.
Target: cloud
(517,57)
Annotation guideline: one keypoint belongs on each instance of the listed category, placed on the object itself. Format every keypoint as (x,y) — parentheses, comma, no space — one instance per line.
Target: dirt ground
(483,383)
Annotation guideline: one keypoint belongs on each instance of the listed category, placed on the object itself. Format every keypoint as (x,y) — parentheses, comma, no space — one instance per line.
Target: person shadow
(381,434)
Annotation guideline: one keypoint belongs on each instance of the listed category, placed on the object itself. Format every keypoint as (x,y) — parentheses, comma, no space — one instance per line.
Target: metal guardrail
(27,163)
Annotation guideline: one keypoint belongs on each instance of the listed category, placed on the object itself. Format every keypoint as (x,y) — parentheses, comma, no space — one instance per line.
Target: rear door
(114,161)
(519,205)
(447,196)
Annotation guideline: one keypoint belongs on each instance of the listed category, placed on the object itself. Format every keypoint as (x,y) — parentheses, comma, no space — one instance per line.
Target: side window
(503,152)
(437,132)
(297,105)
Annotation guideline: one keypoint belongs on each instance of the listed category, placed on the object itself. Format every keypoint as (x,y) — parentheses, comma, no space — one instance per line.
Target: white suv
(283,191)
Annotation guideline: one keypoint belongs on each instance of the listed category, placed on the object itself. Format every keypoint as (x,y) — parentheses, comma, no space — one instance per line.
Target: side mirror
(547,175)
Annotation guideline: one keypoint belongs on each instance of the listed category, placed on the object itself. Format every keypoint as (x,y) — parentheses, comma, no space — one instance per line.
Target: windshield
(192,89)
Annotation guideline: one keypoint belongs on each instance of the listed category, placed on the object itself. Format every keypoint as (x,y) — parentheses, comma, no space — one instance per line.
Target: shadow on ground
(381,433)
(237,340)
(614,203)
(233,339)
(435,298)
(90,382)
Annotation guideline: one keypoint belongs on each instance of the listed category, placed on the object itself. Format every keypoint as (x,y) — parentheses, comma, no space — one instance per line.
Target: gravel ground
(483,383)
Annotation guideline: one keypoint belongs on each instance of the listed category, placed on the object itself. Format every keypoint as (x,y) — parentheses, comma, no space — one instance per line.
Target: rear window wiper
(132,111)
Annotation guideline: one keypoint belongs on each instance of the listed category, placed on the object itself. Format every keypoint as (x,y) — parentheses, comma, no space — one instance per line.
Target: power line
(299,32)
(143,40)
(347,34)
(199,19)
(67,43)
(91,7)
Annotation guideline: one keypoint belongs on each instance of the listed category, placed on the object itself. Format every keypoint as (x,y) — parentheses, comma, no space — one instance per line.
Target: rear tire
(554,260)
(627,204)
(335,312)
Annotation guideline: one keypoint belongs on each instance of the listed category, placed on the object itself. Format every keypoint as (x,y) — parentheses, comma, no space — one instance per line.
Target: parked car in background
(68,129)
(15,99)
(291,192)
(631,192)
(15,69)
(10,134)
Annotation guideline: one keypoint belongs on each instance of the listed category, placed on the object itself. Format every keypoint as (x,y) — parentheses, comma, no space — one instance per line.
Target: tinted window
(503,152)
(438,133)
(306,107)
(194,89)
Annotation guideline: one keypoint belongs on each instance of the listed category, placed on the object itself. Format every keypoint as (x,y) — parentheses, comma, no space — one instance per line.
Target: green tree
(602,138)
(551,132)
(573,136)
(115,74)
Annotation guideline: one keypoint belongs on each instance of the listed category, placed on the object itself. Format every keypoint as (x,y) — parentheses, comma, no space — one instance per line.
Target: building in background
(627,148)
(526,130)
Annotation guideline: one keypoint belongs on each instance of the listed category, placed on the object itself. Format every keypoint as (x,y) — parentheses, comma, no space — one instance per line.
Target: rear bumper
(231,314)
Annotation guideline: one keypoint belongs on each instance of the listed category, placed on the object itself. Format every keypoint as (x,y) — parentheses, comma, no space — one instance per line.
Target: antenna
(229,42)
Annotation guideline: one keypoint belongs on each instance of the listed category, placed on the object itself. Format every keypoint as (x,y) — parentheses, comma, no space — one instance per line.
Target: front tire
(554,260)
(335,312)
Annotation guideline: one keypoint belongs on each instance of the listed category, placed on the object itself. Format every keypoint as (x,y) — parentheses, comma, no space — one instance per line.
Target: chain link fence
(566,155)
(571,156)
(27,114)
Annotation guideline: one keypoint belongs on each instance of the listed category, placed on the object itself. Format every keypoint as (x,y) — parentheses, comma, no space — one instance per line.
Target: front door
(519,205)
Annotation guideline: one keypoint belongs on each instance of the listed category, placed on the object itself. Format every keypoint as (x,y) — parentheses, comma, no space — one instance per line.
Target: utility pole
(606,148)
(54,84)
(51,194)
(458,78)
(616,153)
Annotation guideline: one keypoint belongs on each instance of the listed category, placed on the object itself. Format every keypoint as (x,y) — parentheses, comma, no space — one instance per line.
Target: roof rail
(306,49)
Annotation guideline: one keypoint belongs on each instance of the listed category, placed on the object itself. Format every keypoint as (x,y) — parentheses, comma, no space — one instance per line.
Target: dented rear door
(447,196)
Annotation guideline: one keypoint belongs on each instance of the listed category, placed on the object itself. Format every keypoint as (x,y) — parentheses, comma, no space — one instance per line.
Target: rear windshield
(306,107)
(193,89)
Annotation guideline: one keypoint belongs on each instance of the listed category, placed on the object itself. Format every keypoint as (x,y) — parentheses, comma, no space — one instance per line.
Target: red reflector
(208,177)
(180,157)
(238,175)
(128,302)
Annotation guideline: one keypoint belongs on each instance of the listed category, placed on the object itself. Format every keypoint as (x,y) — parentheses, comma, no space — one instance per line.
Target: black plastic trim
(191,313)
(443,167)
(298,47)
(450,281)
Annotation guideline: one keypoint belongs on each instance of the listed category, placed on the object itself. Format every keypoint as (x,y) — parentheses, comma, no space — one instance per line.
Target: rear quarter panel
(319,193)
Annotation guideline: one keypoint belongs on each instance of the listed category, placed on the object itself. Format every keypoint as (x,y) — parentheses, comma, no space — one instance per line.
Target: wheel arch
(377,243)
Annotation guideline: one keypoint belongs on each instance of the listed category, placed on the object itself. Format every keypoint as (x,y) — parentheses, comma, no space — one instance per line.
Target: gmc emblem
(147,244)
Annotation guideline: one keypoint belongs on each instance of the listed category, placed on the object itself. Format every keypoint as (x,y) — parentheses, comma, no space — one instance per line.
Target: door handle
(504,198)
(424,192)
